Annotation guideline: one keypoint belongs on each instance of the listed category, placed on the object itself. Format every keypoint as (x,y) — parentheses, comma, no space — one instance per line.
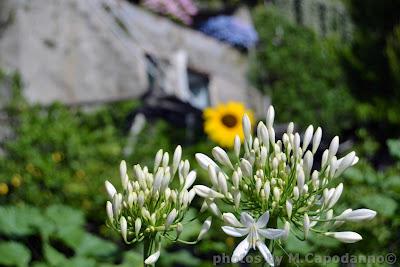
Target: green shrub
(301,73)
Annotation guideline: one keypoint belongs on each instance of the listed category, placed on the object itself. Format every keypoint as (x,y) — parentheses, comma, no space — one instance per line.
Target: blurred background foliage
(53,167)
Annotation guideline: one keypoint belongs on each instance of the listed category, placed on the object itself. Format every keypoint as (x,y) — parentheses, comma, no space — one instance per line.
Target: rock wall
(77,51)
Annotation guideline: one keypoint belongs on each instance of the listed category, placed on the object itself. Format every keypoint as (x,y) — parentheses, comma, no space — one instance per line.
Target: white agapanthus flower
(149,208)
(281,177)
(256,233)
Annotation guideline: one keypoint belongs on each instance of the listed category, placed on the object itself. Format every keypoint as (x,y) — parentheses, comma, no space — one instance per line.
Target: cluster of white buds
(279,176)
(148,208)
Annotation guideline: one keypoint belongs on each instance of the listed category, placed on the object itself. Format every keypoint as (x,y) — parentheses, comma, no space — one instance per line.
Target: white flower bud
(296,144)
(306,225)
(246,127)
(171,218)
(262,133)
(189,180)
(222,184)
(308,163)
(204,161)
(357,215)
(277,194)
(206,192)
(246,168)
(222,157)
(231,219)
(324,159)
(212,174)
(237,144)
(333,147)
(289,208)
(153,258)
(158,159)
(109,209)
(124,229)
(235,179)
(204,228)
(345,237)
(271,133)
(111,191)
(267,189)
(300,179)
(270,117)
(286,230)
(345,163)
(290,128)
(123,175)
(296,193)
(138,226)
(307,137)
(165,159)
(236,198)
(336,195)
(316,139)
(214,209)
(176,159)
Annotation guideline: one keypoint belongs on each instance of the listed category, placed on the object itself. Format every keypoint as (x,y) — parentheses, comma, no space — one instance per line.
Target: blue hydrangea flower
(231,30)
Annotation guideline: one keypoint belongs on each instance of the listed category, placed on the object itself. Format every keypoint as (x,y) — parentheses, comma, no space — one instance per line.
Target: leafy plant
(301,73)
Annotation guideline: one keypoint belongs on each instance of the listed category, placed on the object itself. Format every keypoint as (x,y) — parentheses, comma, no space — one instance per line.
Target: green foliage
(372,63)
(55,229)
(301,73)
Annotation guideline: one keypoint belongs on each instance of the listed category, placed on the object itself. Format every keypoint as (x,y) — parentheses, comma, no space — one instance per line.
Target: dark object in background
(171,109)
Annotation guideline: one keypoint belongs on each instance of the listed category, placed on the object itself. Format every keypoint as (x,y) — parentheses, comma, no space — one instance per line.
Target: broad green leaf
(53,257)
(385,206)
(94,246)
(14,254)
(19,221)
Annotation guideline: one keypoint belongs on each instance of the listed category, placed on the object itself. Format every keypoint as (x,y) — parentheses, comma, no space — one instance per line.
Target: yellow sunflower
(224,121)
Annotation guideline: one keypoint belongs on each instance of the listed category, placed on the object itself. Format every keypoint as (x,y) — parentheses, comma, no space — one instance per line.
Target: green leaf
(19,221)
(52,256)
(394,148)
(96,247)
(181,257)
(14,254)
(385,206)
(295,245)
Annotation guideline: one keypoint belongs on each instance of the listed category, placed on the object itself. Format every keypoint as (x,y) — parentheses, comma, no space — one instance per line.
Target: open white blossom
(256,232)
(148,208)
(281,176)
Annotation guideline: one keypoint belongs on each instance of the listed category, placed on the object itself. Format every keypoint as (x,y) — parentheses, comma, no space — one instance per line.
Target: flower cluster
(231,30)
(182,10)
(278,177)
(149,208)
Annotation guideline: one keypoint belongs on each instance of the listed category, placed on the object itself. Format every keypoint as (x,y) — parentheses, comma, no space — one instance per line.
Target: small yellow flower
(3,189)
(16,180)
(223,122)
(57,157)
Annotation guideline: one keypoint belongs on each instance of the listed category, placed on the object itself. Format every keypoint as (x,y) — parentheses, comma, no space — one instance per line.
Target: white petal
(263,220)
(206,192)
(271,233)
(265,252)
(204,161)
(221,156)
(246,219)
(189,180)
(111,191)
(236,232)
(204,228)
(241,251)
(229,218)
(152,258)
(345,237)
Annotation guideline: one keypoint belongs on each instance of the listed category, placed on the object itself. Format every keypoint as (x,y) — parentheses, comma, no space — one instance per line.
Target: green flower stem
(147,249)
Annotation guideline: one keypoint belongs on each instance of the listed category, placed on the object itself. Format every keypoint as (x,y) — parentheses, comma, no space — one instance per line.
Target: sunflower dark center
(229,120)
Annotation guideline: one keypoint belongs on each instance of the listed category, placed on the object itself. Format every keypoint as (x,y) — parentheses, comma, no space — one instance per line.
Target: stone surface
(77,51)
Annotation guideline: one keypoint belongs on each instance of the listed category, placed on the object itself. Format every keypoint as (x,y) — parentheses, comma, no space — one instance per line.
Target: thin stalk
(147,248)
